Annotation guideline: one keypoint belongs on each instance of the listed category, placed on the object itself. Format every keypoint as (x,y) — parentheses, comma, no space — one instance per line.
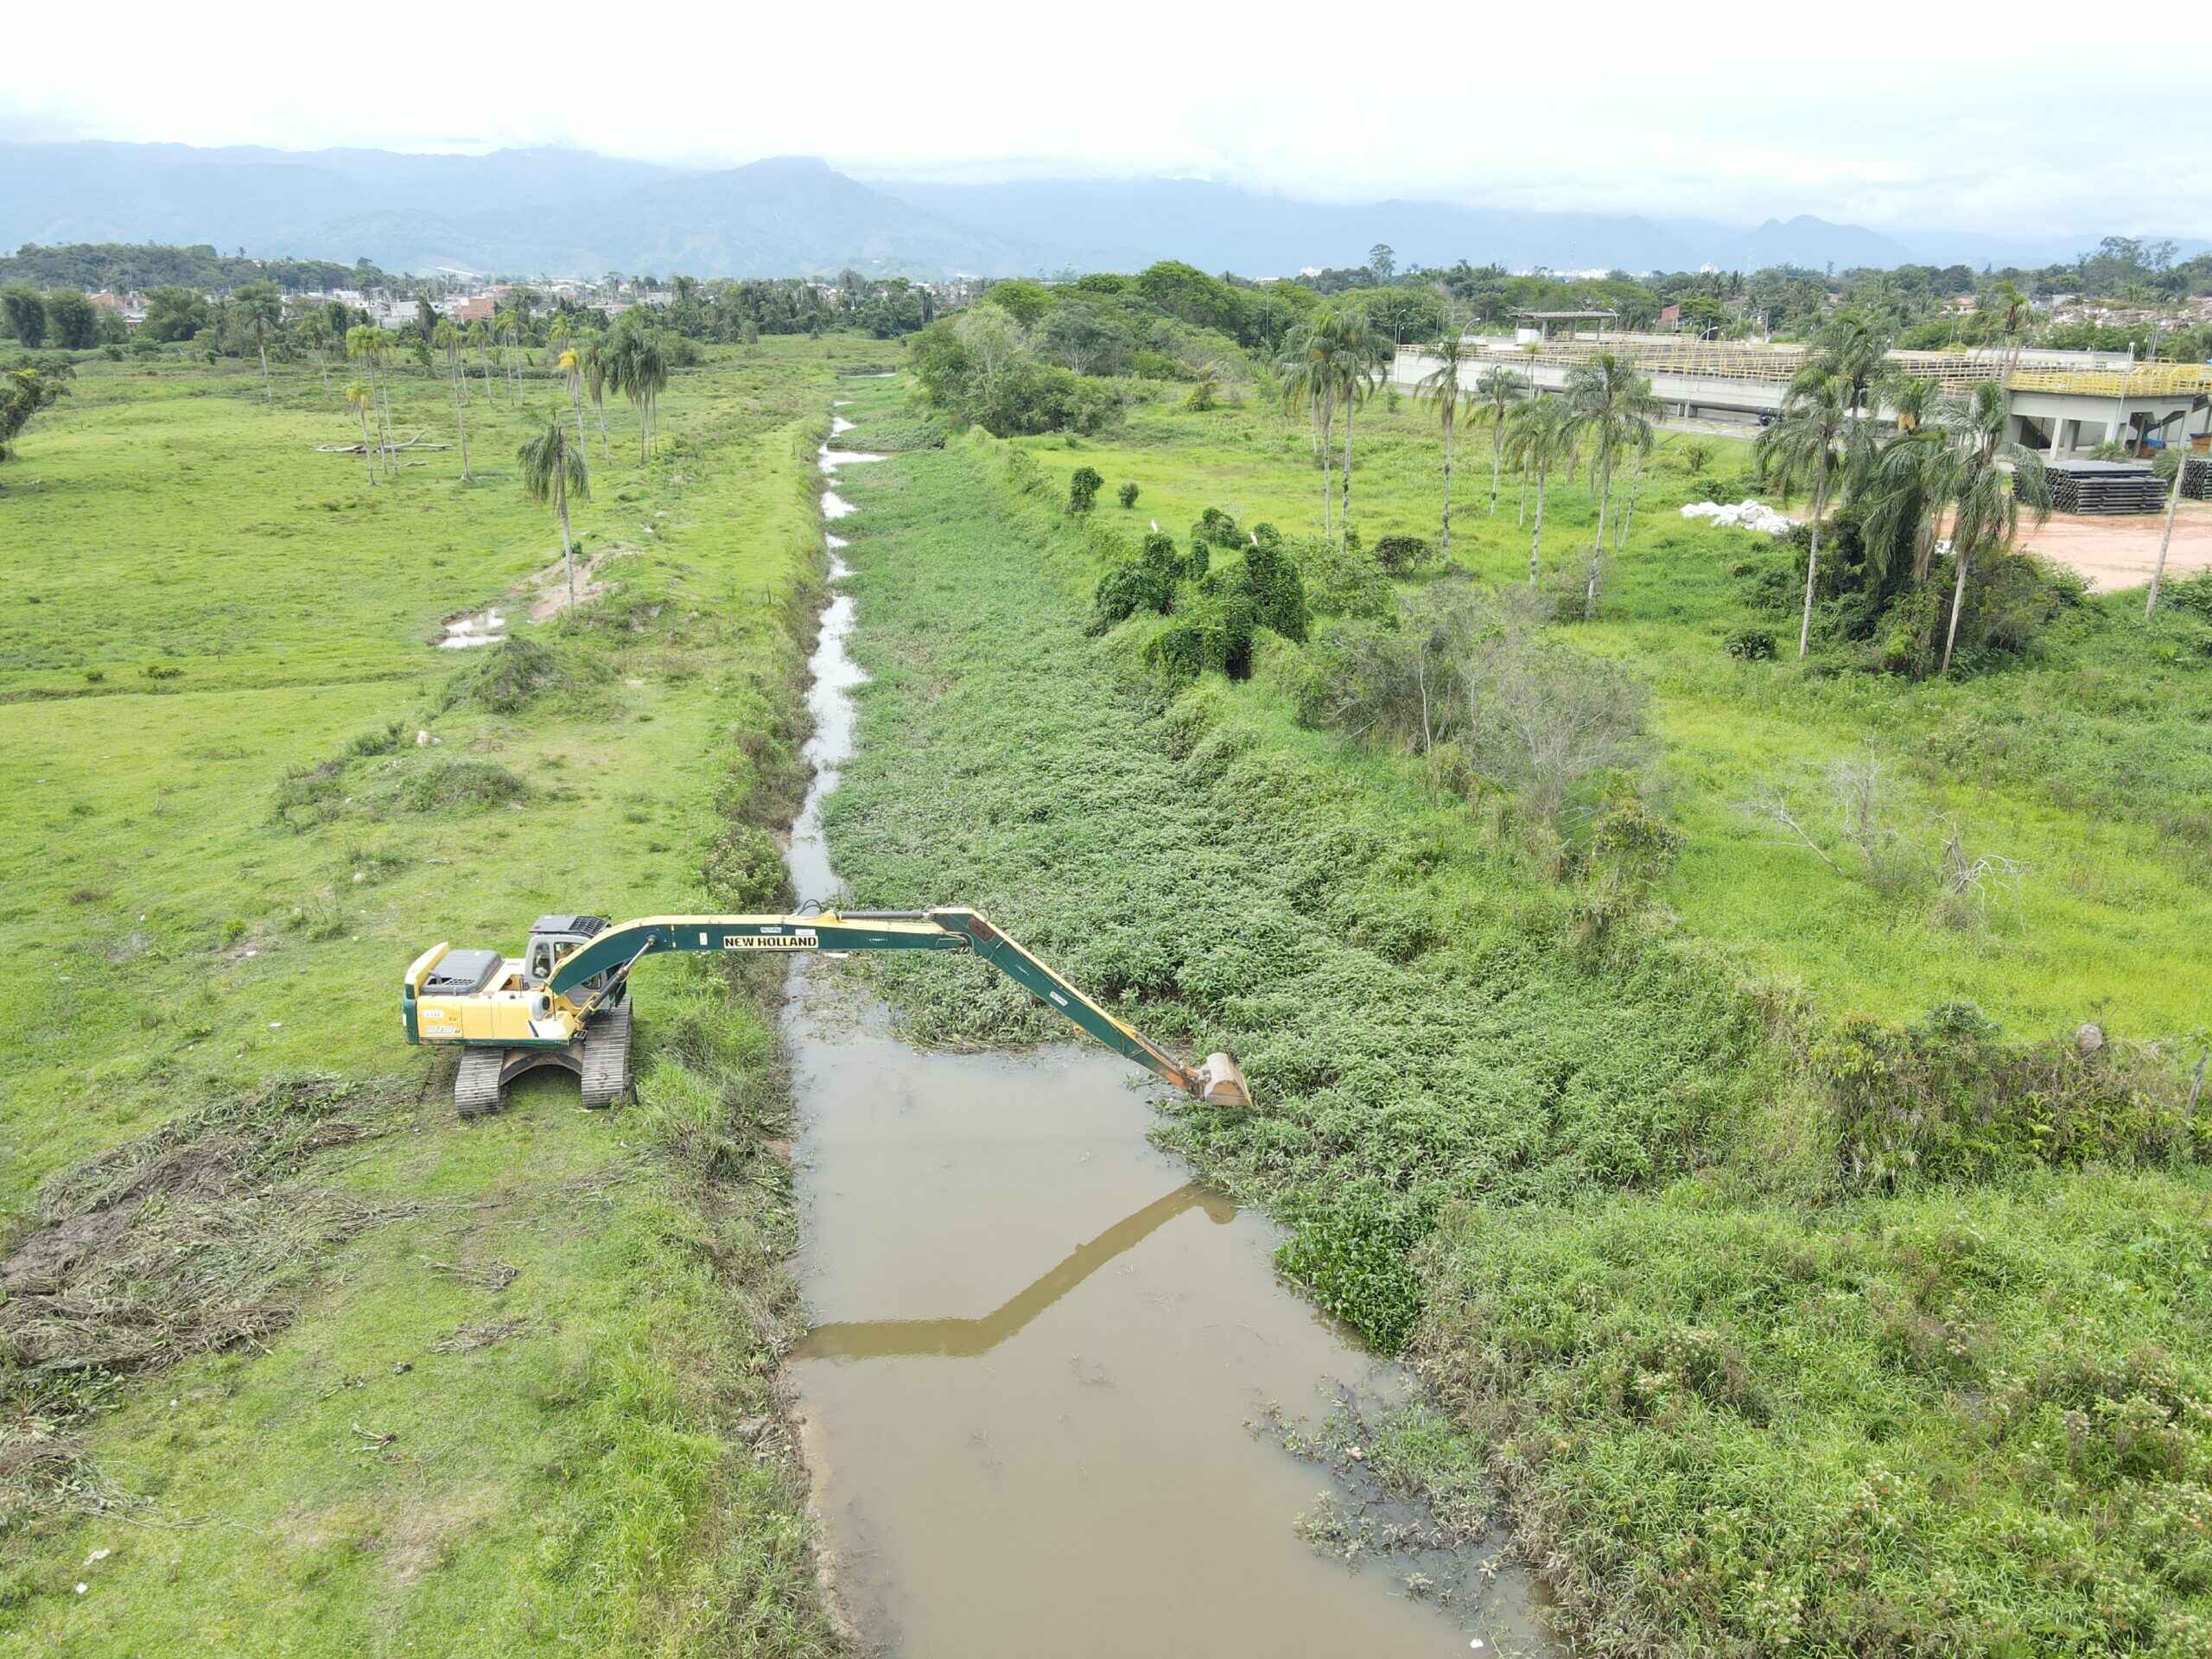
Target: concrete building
(2062,402)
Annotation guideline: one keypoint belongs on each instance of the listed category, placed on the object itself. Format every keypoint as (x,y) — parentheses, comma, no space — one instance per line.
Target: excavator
(566,1001)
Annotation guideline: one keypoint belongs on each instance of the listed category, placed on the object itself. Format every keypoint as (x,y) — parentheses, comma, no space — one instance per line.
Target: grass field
(1736,1395)
(2088,764)
(222,843)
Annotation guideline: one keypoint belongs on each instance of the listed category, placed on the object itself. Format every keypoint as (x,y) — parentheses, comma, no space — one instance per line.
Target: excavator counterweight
(565,1002)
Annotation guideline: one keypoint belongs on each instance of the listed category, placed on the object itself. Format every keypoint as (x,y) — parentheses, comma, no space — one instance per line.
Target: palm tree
(1441,385)
(1816,417)
(1987,497)
(509,322)
(1539,435)
(1851,349)
(261,309)
(1362,352)
(1640,440)
(638,366)
(366,343)
(1499,389)
(314,329)
(359,397)
(593,366)
(551,466)
(1612,407)
(479,336)
(448,338)
(1307,368)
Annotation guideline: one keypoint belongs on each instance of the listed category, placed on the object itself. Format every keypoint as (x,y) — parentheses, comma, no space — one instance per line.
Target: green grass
(2088,764)
(1776,1329)
(214,878)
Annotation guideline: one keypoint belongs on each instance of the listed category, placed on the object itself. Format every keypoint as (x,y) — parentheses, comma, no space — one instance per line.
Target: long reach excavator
(566,1001)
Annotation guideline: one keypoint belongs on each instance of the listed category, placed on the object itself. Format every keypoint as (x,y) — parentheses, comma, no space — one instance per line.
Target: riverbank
(1730,1401)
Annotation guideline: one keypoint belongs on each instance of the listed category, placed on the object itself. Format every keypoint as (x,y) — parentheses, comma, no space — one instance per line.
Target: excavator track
(479,1082)
(607,1057)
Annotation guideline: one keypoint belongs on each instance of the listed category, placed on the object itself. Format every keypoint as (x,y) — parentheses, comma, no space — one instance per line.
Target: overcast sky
(1898,116)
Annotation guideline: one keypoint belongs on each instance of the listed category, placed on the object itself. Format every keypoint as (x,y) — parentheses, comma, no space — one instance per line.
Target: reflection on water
(966,1338)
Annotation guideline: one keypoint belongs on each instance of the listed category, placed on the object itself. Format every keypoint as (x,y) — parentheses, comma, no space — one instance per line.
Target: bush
(1217,528)
(1128,494)
(2191,593)
(1145,583)
(1749,645)
(1399,554)
(1945,1099)
(1082,489)
(467,785)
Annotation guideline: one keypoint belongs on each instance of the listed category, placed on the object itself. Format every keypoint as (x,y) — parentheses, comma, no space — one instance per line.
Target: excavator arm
(1219,1082)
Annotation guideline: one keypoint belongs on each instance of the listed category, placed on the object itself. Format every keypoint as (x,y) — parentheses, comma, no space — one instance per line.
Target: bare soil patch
(2115,552)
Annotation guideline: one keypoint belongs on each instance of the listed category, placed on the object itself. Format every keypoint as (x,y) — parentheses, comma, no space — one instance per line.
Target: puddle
(1040,1346)
(479,628)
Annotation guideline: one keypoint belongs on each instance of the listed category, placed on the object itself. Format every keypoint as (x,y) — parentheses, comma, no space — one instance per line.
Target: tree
(552,468)
(1803,443)
(1441,386)
(479,336)
(1360,356)
(638,367)
(1611,410)
(992,339)
(72,321)
(509,321)
(448,340)
(592,365)
(369,344)
(260,308)
(172,313)
(1308,373)
(1382,260)
(315,330)
(23,393)
(1499,389)
(1539,435)
(1994,476)
(1025,301)
(360,400)
(26,315)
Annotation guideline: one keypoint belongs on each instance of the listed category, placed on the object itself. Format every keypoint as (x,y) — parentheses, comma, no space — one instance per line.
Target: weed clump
(503,680)
(447,785)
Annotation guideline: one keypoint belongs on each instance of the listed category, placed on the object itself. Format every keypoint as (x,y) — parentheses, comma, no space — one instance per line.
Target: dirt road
(2119,552)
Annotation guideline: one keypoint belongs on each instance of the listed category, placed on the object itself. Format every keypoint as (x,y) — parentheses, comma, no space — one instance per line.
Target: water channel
(1027,1402)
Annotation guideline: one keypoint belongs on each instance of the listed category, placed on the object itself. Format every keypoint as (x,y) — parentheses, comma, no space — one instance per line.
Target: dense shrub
(1082,489)
(1399,555)
(1751,645)
(1127,493)
(1217,528)
(1945,1099)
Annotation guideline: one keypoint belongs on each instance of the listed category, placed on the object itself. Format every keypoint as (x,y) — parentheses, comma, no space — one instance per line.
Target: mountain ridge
(556,211)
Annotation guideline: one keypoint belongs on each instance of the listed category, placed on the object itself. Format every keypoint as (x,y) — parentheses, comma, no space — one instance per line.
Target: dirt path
(2119,552)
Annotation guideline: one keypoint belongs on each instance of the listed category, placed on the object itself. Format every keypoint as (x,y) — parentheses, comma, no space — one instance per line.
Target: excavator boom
(598,969)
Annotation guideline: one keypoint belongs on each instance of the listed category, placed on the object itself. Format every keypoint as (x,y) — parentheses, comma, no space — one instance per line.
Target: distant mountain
(1129,223)
(567,211)
(541,211)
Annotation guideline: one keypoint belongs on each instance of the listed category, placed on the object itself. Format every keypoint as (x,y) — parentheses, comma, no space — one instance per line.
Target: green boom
(1218,1081)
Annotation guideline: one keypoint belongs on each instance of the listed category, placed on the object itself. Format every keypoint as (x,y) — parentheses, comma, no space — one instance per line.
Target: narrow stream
(1030,1406)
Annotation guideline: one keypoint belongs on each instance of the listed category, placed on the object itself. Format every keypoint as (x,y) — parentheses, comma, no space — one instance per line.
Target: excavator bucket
(1221,1083)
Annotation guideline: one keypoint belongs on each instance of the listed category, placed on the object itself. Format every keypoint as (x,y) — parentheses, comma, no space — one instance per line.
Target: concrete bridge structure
(2062,402)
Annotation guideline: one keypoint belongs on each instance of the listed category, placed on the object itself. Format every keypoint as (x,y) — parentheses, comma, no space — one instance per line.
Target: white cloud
(1889,113)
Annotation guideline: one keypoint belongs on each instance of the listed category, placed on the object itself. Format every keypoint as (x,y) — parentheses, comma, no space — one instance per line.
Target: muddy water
(1040,1346)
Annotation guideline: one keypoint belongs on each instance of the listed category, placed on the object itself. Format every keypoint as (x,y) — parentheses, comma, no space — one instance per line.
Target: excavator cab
(552,938)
